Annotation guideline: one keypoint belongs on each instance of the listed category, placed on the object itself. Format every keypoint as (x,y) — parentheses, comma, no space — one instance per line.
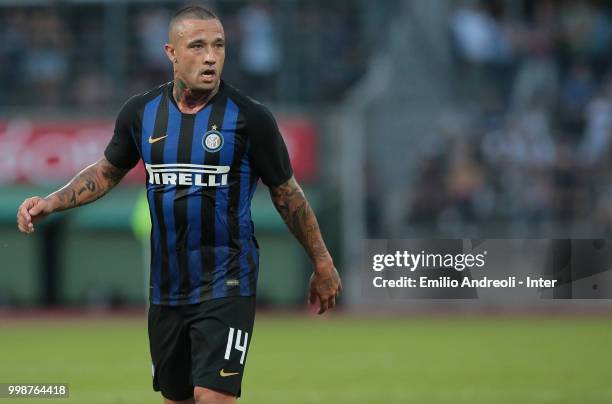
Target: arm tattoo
(88,185)
(113,174)
(295,210)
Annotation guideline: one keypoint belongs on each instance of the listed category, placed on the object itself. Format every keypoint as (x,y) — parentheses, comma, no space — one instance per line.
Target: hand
(325,285)
(31,211)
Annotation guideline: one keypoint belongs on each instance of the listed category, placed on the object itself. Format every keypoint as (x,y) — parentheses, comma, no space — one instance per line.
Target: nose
(209,57)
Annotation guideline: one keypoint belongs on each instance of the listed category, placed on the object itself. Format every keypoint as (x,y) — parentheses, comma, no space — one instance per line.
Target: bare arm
(295,210)
(299,217)
(90,184)
(87,186)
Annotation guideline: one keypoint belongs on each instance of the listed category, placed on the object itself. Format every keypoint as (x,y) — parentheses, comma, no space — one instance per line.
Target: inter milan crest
(212,140)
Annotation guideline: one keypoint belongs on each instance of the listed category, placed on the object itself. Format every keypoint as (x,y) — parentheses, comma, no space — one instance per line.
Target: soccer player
(204,146)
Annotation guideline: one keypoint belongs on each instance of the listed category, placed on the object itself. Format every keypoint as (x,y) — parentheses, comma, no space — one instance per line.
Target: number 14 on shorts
(240,345)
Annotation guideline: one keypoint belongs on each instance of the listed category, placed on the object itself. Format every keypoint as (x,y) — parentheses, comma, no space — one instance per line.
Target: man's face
(197,52)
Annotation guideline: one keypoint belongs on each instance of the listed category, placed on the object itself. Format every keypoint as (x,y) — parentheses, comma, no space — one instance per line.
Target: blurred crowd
(97,53)
(527,147)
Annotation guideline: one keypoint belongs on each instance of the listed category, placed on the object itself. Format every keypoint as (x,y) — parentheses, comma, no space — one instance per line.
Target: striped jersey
(201,173)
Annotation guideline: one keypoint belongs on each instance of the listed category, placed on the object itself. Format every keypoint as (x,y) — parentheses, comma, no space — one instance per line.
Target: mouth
(208,75)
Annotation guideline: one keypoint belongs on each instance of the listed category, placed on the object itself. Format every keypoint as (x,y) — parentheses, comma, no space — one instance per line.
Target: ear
(169,49)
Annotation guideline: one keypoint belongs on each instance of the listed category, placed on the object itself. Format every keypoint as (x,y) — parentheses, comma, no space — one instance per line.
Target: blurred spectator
(578,88)
(483,41)
(544,156)
(47,64)
(13,53)
(524,142)
(596,143)
(341,56)
(537,77)
(429,199)
(48,51)
(585,29)
(92,89)
(465,179)
(480,38)
(152,34)
(260,50)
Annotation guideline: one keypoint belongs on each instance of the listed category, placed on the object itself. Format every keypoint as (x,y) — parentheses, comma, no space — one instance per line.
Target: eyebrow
(201,40)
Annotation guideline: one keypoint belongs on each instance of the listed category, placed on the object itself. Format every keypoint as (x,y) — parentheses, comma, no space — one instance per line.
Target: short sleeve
(121,151)
(269,155)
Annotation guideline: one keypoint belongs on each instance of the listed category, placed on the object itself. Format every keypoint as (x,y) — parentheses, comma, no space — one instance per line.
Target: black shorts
(203,344)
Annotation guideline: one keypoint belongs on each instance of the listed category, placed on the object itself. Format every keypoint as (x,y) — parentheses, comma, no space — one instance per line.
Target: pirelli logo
(187,174)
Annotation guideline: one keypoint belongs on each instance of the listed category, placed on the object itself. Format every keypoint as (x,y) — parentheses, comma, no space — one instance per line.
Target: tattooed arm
(87,186)
(295,210)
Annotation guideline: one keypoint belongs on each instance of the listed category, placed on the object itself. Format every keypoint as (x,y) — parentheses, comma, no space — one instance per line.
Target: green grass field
(337,360)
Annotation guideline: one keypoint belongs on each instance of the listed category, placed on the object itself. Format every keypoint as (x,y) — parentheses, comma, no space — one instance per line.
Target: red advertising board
(50,152)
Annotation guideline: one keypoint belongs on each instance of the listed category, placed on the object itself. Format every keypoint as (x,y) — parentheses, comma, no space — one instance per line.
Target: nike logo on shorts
(223,373)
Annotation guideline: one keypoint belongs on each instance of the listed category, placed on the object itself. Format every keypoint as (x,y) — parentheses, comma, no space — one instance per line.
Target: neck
(189,100)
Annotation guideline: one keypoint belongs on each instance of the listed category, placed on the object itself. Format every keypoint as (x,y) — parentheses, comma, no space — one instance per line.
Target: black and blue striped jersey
(201,173)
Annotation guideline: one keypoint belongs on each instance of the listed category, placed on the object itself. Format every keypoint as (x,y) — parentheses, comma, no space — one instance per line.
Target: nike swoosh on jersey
(153,140)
